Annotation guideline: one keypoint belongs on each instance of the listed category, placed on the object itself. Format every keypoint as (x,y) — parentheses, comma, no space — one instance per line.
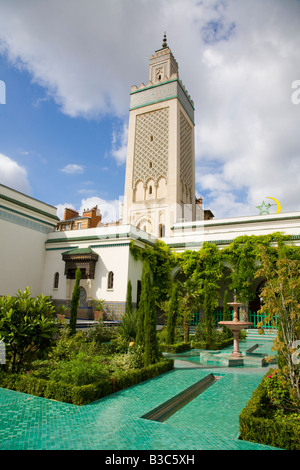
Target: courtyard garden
(50,358)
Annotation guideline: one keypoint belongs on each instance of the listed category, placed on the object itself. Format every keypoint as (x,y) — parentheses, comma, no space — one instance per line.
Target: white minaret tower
(160,168)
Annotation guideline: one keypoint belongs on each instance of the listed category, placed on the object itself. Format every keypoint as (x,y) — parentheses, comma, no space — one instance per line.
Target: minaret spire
(164,44)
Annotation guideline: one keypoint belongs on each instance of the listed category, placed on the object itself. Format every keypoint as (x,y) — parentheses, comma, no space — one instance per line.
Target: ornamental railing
(254,317)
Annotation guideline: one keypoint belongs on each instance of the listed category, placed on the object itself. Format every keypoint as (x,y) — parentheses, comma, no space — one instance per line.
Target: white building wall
(24,226)
(112,244)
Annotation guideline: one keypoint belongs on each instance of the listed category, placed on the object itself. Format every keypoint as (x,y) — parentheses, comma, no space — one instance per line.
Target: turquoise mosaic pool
(208,422)
(259,350)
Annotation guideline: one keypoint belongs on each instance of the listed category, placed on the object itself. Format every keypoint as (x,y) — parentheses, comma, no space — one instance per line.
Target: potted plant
(61,312)
(99,309)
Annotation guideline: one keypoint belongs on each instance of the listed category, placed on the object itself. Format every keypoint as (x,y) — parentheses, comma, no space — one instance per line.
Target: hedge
(175,348)
(181,347)
(213,346)
(81,395)
(256,425)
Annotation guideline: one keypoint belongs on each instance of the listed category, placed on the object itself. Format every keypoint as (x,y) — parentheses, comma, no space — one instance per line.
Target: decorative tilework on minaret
(160,168)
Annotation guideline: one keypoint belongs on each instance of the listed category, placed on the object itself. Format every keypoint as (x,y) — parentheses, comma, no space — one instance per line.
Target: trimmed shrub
(260,423)
(175,348)
(213,346)
(82,395)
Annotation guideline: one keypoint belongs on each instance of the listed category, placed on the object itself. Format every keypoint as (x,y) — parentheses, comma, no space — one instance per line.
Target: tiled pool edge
(168,408)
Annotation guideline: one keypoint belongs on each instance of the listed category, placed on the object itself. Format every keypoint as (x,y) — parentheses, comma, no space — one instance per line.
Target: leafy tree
(162,260)
(172,314)
(188,301)
(226,313)
(27,327)
(243,255)
(75,301)
(204,269)
(281,298)
(208,306)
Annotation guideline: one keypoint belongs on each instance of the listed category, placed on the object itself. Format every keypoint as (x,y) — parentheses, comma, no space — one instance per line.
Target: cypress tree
(208,313)
(128,310)
(75,301)
(172,314)
(146,328)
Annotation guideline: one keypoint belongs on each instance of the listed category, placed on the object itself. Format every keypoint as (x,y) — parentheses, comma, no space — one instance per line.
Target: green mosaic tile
(209,422)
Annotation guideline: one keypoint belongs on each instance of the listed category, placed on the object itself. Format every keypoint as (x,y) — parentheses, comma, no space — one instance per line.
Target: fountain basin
(236,326)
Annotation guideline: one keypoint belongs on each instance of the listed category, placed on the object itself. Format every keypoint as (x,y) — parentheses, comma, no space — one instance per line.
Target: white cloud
(13,175)
(72,169)
(119,144)
(61,209)
(238,61)
(110,210)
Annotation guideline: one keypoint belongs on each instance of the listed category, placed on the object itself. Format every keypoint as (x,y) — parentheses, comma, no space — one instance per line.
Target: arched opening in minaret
(161,230)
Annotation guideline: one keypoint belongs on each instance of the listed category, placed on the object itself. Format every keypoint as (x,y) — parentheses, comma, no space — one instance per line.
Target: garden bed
(82,394)
(262,422)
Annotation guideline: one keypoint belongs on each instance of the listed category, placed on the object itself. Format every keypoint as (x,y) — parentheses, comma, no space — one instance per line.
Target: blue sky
(68,67)
(66,158)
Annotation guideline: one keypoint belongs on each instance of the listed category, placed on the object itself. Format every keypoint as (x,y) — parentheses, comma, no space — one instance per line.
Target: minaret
(160,167)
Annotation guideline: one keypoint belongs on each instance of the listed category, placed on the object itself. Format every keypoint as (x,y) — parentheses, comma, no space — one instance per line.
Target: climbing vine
(206,267)
(161,260)
(243,257)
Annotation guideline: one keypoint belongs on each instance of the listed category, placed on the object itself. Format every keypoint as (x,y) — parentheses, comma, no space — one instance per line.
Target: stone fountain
(236,326)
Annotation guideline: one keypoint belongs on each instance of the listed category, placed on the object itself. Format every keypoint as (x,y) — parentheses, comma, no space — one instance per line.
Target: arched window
(150,189)
(56,281)
(161,230)
(110,280)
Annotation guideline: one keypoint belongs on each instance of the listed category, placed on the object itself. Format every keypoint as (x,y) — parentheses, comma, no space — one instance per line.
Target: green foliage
(82,370)
(242,256)
(132,359)
(173,308)
(128,328)
(146,324)
(75,301)
(280,394)
(99,304)
(129,298)
(281,298)
(175,348)
(217,339)
(101,333)
(208,306)
(162,260)
(203,265)
(189,293)
(148,313)
(204,269)
(226,314)
(263,421)
(27,326)
(81,395)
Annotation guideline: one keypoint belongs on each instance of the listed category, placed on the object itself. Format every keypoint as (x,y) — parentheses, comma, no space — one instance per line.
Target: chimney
(94,215)
(70,213)
(199,201)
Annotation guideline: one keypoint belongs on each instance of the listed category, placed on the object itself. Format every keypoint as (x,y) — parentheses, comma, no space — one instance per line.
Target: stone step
(268,335)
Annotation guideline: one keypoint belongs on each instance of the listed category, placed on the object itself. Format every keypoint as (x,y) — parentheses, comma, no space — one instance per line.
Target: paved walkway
(209,422)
